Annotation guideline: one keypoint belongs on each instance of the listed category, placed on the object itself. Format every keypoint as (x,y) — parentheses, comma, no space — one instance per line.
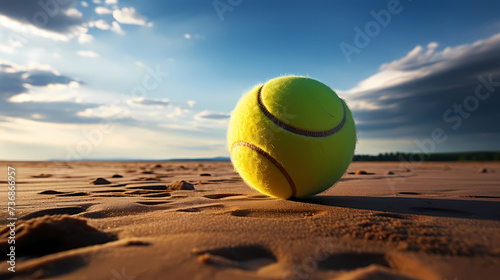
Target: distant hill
(462,156)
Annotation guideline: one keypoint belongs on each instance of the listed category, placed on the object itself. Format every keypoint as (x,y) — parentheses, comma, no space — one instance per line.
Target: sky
(115,79)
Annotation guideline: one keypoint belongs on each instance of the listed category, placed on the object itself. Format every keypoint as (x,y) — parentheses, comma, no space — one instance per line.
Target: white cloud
(111,2)
(160,103)
(129,16)
(85,38)
(84,4)
(7,49)
(97,1)
(117,28)
(187,36)
(10,67)
(49,93)
(73,13)
(418,63)
(103,10)
(17,16)
(210,115)
(90,54)
(105,111)
(101,24)
(191,103)
(25,30)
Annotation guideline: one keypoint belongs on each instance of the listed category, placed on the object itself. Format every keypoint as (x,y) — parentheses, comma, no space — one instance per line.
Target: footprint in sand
(251,257)
(352,260)
(51,234)
(367,265)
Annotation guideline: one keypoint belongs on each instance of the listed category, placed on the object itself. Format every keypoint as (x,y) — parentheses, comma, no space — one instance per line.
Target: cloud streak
(410,96)
(39,18)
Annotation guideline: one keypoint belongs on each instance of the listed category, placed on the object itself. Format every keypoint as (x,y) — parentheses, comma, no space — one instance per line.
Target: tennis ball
(291,137)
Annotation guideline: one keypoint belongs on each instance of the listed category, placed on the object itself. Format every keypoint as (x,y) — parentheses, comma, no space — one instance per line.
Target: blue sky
(76,82)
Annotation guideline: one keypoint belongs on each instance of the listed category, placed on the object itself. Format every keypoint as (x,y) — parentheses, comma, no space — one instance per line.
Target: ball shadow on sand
(452,208)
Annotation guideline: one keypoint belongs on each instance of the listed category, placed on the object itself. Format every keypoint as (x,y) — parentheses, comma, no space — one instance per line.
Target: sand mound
(51,234)
(180,185)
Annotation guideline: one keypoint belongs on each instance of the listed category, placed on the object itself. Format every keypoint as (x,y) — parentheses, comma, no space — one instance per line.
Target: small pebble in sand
(100,181)
(390,173)
(205,174)
(361,172)
(482,170)
(180,185)
(117,176)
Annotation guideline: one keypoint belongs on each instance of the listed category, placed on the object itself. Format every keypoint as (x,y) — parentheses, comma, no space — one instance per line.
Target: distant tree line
(464,156)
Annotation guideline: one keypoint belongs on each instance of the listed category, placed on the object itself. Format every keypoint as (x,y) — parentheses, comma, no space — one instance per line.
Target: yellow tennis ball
(291,137)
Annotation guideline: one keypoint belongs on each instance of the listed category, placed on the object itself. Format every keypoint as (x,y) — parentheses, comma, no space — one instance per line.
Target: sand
(198,220)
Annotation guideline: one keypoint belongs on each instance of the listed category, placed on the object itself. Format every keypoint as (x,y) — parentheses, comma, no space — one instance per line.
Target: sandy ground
(424,221)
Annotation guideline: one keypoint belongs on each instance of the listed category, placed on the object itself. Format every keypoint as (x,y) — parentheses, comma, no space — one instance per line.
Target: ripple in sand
(74,194)
(201,208)
(275,213)
(42,176)
(221,195)
(54,211)
(409,193)
(149,187)
(152,202)
(160,194)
